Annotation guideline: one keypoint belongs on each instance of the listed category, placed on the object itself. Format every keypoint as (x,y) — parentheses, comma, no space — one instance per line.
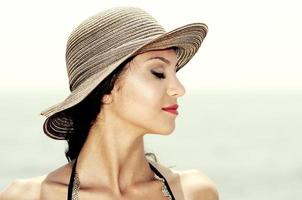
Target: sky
(249,43)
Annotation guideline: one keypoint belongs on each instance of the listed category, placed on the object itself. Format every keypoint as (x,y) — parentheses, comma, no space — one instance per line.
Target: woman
(122,69)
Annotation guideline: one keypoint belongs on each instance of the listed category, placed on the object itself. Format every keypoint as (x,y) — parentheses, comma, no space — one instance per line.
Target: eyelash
(158,75)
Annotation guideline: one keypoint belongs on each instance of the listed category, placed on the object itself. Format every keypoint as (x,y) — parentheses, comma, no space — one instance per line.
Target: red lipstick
(171,109)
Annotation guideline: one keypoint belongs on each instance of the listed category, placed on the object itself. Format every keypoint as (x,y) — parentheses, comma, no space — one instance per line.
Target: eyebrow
(160,58)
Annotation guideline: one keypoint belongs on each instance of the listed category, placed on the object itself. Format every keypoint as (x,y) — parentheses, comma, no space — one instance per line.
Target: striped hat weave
(102,42)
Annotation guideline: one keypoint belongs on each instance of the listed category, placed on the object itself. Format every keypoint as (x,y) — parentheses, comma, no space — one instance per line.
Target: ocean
(248,141)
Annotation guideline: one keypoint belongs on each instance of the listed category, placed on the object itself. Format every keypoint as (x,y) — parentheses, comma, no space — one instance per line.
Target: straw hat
(102,42)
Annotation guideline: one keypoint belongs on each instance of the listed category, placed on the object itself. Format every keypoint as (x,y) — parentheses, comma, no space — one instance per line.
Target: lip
(171,109)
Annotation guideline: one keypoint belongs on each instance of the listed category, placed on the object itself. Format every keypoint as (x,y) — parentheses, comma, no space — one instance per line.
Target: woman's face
(149,84)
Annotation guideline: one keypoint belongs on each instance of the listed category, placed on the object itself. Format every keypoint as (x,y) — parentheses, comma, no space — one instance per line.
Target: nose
(175,88)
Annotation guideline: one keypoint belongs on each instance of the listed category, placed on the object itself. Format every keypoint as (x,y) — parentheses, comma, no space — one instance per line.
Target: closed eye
(158,75)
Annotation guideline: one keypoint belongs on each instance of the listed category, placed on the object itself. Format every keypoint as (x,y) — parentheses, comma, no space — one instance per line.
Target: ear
(107,99)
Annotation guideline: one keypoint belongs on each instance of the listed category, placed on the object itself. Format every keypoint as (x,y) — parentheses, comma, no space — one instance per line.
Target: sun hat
(99,44)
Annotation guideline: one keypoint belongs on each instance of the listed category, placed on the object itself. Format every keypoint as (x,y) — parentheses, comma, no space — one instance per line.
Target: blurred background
(239,121)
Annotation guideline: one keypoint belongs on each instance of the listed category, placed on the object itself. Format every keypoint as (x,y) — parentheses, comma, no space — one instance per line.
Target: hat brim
(187,39)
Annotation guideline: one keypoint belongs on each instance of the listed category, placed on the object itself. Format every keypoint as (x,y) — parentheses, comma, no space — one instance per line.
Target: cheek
(141,97)
(145,94)
(140,104)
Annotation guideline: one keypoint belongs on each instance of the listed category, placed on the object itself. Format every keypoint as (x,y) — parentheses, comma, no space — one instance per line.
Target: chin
(167,131)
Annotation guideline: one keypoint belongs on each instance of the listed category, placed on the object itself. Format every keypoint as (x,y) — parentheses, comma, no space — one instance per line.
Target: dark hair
(84,114)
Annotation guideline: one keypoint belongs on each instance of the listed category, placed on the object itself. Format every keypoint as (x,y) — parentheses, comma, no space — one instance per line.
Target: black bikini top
(70,186)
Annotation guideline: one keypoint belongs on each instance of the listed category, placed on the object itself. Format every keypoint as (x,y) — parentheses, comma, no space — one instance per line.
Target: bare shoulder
(23,189)
(36,187)
(56,183)
(189,184)
(197,185)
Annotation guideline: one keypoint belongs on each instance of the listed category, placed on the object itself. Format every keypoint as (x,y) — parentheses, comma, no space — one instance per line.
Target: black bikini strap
(70,186)
(161,176)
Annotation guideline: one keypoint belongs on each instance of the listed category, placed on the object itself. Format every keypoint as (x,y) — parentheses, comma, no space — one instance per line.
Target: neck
(113,157)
